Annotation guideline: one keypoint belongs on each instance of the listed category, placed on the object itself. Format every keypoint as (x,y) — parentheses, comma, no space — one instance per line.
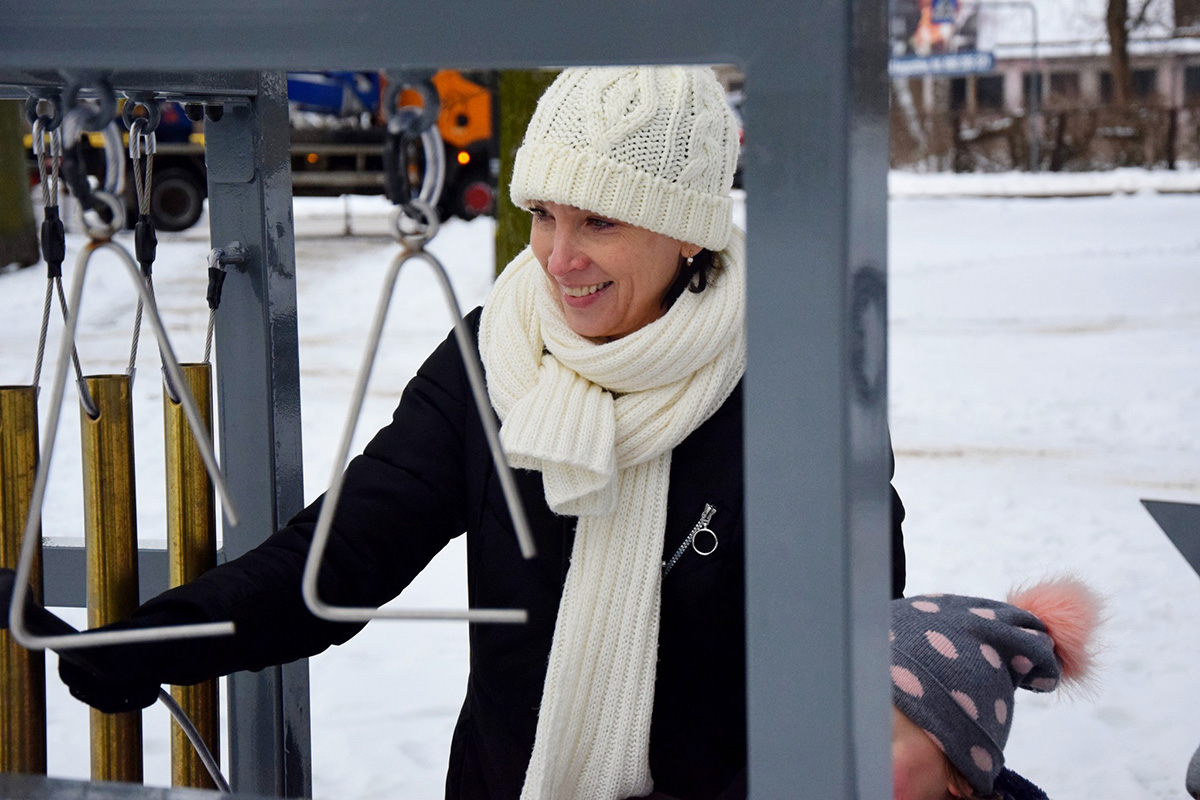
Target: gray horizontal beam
(36,787)
(183,85)
(312,34)
(65,574)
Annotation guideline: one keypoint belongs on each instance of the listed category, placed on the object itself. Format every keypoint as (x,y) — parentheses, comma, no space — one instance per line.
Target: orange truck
(338,131)
(332,159)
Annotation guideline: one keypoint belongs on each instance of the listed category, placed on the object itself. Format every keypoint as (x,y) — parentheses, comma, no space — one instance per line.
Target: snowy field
(1045,376)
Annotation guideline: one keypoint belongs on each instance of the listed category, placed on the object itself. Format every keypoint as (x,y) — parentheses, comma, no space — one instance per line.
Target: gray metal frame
(248,156)
(816,444)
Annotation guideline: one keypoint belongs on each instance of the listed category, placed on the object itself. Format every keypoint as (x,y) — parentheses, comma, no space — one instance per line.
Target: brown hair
(694,277)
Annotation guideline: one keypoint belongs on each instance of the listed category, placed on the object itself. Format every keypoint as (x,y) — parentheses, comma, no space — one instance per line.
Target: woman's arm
(402,500)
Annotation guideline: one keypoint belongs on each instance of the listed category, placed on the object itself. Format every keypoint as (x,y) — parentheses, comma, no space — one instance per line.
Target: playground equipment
(816,437)
(107,440)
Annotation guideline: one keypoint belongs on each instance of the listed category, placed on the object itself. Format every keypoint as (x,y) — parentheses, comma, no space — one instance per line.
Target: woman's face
(610,277)
(918,765)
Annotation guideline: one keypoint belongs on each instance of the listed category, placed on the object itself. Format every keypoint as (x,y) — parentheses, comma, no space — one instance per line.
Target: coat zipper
(705,518)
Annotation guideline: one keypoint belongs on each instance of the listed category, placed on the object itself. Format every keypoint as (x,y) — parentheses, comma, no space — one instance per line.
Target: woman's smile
(581,296)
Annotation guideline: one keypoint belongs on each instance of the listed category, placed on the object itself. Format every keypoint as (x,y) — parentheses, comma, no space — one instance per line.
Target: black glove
(99,676)
(107,688)
(122,677)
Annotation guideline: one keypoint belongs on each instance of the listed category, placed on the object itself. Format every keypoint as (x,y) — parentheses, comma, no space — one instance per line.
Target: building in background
(977,116)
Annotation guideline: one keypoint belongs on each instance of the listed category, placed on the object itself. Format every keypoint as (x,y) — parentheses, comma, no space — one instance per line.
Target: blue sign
(944,12)
(966,63)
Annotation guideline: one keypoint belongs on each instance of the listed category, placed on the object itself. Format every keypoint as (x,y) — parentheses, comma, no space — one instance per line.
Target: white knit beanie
(654,147)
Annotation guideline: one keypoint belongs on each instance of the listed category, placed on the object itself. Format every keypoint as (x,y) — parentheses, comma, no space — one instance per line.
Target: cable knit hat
(956,662)
(655,147)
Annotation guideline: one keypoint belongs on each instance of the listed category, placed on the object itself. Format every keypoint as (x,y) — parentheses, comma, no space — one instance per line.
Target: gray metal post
(816,434)
(258,379)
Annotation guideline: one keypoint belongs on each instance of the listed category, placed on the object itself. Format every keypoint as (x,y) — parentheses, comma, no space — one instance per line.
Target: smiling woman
(614,348)
(611,277)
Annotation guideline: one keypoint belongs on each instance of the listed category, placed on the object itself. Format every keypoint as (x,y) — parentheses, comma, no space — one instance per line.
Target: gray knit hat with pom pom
(957,661)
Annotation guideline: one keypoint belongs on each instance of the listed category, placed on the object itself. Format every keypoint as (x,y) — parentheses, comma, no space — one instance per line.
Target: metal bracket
(1181,523)
(234,254)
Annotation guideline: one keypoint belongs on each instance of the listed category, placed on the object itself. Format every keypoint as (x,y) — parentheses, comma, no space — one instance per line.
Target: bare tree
(18,230)
(518,95)
(1117,22)
(1187,16)
(1120,24)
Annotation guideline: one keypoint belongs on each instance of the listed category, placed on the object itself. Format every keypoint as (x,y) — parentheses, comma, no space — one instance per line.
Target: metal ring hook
(114,172)
(706,551)
(93,118)
(153,112)
(56,109)
(114,185)
(103,231)
(33,522)
(114,159)
(425,218)
(470,356)
(396,185)
(431,103)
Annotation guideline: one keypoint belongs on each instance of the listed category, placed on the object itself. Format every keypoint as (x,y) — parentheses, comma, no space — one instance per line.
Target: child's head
(920,770)
(956,662)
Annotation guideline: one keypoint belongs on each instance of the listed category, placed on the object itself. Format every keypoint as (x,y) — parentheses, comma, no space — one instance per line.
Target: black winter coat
(428,477)
(1011,786)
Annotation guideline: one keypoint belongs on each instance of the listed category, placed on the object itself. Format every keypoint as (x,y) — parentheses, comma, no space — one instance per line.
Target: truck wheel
(176,199)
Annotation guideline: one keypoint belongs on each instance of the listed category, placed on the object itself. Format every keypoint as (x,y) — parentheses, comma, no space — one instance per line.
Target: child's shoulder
(1011,786)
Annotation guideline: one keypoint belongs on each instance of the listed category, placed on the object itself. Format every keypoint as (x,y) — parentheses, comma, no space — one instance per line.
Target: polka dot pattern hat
(957,661)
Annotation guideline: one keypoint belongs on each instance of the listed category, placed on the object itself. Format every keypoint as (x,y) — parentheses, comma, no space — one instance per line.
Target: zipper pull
(708,539)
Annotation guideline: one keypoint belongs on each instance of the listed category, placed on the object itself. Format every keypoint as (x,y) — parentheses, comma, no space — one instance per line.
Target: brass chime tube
(191,551)
(110,529)
(22,672)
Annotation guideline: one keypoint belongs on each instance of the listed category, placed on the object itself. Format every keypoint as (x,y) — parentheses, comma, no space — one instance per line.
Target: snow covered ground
(904,184)
(1045,376)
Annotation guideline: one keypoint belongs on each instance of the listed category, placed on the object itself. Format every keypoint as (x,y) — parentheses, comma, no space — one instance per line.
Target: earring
(690,259)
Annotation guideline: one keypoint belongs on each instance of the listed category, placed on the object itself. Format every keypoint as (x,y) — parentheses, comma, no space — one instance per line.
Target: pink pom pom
(1070,610)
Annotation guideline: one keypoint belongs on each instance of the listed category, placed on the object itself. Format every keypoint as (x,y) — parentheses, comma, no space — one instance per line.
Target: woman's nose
(565,255)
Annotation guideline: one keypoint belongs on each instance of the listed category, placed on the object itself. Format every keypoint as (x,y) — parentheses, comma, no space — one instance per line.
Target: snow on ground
(1044,378)
(1042,184)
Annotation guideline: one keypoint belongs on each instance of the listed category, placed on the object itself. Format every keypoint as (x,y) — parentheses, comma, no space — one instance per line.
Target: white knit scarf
(599,421)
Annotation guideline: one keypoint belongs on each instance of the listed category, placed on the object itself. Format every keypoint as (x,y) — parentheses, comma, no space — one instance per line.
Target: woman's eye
(601,224)
(539,213)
